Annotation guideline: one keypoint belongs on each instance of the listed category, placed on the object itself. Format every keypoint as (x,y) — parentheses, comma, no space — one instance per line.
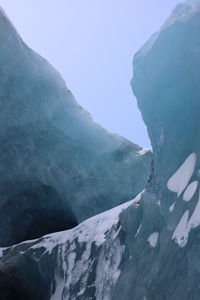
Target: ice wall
(57,167)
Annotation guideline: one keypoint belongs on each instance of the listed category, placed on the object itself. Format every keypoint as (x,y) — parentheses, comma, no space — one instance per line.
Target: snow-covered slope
(81,263)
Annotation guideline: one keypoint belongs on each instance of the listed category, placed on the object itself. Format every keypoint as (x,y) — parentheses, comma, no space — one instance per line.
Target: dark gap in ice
(33,213)
(11,289)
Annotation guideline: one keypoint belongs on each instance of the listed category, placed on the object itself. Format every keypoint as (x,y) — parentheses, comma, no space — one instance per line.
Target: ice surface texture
(57,167)
(148,248)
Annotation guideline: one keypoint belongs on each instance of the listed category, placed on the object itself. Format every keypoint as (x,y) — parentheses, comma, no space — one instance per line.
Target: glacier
(146,248)
(54,159)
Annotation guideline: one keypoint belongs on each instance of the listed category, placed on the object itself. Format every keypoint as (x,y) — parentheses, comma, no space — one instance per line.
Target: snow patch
(70,264)
(184,227)
(171,208)
(144,151)
(190,191)
(180,233)
(178,182)
(59,284)
(195,217)
(138,230)
(153,239)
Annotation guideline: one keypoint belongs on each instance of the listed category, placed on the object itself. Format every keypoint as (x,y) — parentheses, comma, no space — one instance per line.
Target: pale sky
(92,44)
